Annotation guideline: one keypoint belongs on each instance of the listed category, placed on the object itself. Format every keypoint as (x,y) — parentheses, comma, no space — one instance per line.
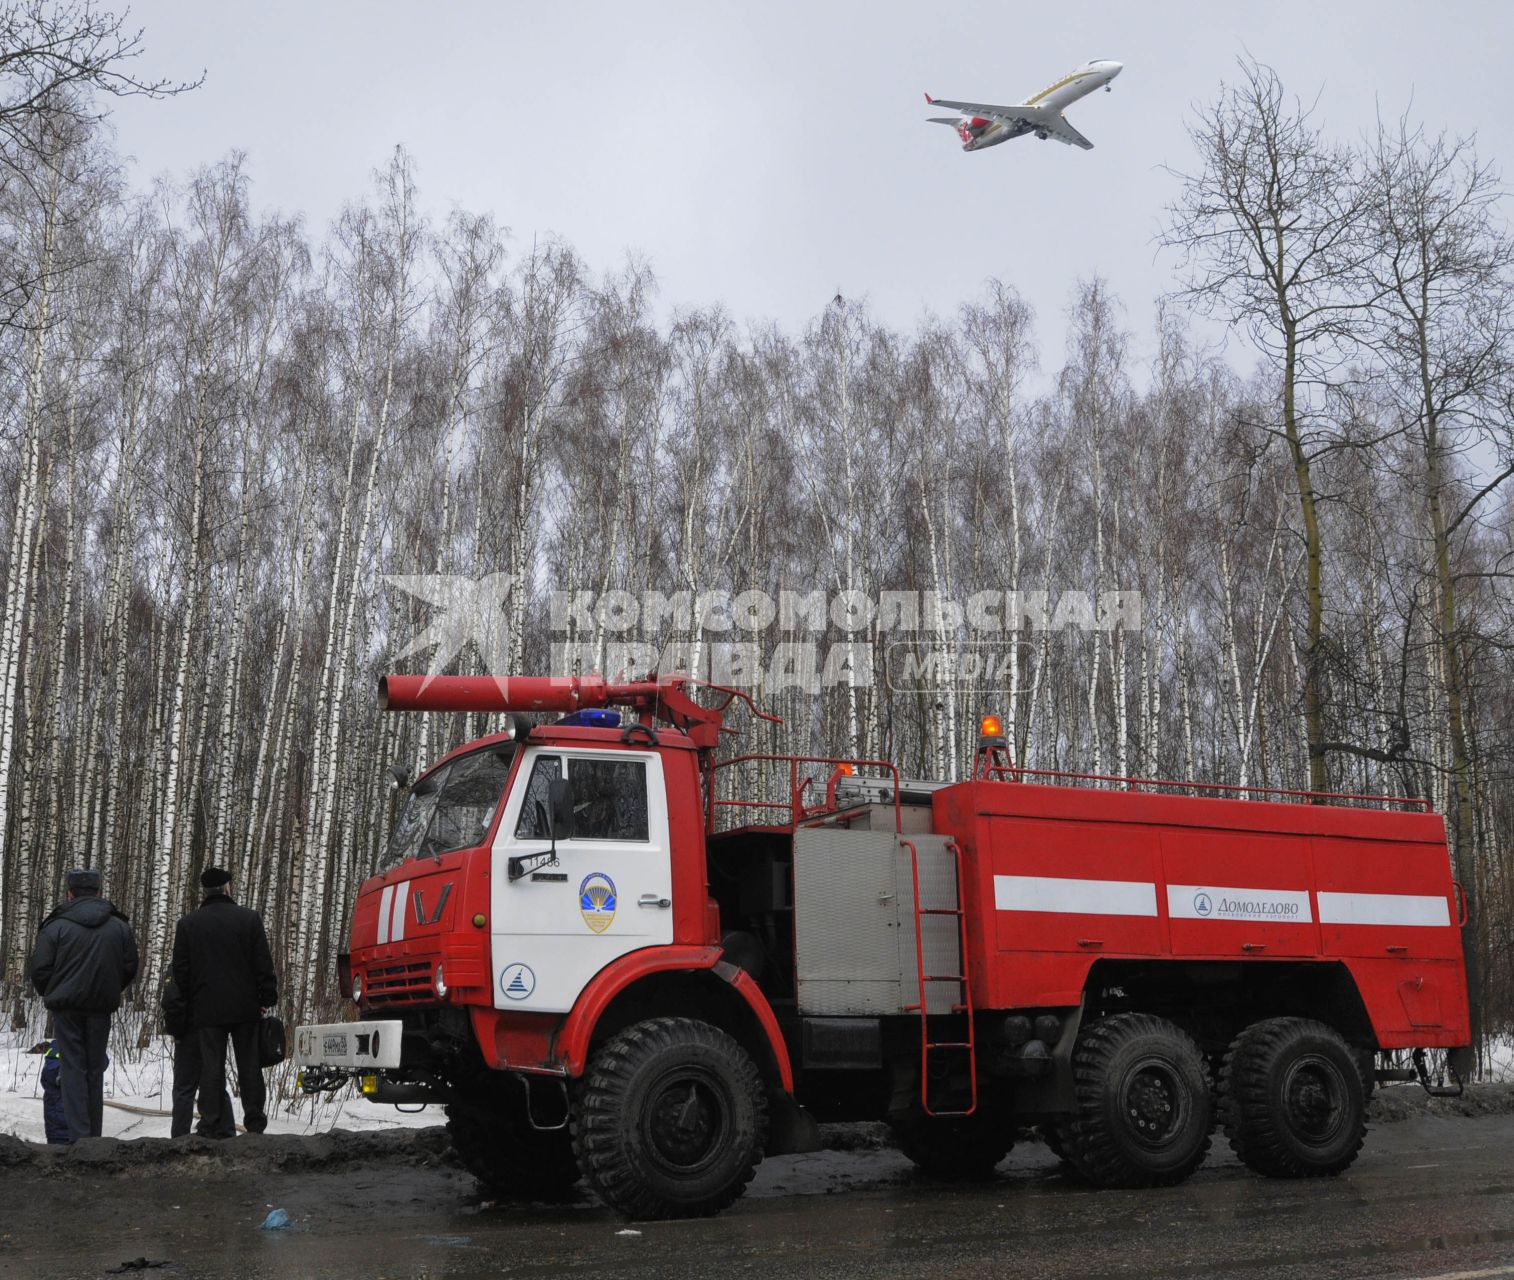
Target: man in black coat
(85,956)
(222,964)
(186,1066)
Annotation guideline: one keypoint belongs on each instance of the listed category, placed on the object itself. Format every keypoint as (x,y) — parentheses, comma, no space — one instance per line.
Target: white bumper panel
(348,1044)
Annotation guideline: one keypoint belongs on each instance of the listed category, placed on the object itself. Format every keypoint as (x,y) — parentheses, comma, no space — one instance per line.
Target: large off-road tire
(1291,1099)
(498,1146)
(965,1148)
(1143,1117)
(670,1120)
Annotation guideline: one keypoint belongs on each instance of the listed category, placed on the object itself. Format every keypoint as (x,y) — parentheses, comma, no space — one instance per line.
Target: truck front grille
(400,984)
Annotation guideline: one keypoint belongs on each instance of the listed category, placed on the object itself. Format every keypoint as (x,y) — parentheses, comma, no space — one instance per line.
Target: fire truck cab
(612,956)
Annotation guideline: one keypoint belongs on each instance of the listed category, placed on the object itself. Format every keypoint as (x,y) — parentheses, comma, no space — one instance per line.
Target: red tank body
(1062,877)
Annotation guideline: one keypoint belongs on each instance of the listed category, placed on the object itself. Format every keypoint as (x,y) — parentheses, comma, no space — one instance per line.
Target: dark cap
(80,880)
(214,877)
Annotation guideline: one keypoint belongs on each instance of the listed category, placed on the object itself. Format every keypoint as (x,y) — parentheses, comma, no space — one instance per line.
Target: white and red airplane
(984,125)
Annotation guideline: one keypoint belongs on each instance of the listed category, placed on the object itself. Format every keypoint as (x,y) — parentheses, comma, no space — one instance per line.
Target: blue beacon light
(595,718)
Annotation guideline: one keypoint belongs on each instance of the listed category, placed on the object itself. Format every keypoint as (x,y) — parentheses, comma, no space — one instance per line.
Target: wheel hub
(1154,1103)
(686,1124)
(1315,1096)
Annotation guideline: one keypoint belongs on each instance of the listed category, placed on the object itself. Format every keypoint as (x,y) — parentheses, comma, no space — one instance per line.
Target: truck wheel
(958,1147)
(1291,1099)
(513,1159)
(671,1120)
(1143,1115)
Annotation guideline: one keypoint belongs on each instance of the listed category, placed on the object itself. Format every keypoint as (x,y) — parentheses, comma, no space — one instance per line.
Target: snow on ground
(142,1079)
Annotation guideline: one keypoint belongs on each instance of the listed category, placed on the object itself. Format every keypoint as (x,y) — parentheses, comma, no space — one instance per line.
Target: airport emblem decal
(517,981)
(596,901)
(1202,905)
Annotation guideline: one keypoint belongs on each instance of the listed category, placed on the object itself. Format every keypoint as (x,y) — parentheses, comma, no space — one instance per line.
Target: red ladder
(963,1006)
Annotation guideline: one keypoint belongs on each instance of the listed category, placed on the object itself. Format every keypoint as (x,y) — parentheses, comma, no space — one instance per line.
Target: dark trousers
(53,1120)
(215,1106)
(186,1083)
(81,1039)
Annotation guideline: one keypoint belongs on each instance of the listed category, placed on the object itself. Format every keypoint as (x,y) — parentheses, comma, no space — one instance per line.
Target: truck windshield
(451,807)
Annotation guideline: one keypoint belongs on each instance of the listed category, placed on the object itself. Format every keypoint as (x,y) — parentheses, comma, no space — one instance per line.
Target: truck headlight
(357,988)
(439,983)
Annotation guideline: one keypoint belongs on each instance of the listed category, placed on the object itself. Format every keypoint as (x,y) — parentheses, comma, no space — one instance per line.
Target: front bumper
(332,1055)
(351,1046)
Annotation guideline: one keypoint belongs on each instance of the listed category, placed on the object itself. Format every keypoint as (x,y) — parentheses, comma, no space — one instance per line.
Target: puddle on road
(1315,1258)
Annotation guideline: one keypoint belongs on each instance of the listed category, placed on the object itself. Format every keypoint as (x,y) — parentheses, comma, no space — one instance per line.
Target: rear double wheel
(670,1120)
(1143,1104)
(1292,1099)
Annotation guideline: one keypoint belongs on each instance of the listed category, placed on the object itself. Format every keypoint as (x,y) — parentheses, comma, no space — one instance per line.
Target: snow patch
(139,1086)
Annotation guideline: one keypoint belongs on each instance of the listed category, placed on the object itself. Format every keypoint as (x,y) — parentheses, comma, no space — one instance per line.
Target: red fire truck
(614,955)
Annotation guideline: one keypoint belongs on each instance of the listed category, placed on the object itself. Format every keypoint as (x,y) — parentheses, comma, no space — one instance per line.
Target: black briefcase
(271,1046)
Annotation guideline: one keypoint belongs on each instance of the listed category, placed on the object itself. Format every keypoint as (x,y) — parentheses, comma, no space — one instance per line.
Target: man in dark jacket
(186,1065)
(85,956)
(222,964)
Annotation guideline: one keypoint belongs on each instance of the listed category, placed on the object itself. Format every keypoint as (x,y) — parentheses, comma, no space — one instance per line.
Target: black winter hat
(81,879)
(214,877)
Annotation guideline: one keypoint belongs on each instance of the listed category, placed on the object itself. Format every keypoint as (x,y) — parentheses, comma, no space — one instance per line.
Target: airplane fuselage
(978,132)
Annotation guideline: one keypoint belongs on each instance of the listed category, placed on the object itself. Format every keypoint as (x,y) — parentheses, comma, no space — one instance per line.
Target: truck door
(610,891)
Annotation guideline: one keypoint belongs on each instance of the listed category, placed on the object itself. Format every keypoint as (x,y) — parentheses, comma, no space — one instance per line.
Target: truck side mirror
(560,809)
(557,816)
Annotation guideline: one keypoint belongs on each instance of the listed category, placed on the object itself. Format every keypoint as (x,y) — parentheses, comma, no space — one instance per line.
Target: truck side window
(609,799)
(532,824)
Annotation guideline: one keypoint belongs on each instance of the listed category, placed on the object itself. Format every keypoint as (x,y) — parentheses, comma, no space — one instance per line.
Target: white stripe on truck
(1383,908)
(397,925)
(1206,902)
(386,901)
(1075,897)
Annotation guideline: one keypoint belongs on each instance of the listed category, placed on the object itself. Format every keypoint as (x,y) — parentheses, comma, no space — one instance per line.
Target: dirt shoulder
(248,1153)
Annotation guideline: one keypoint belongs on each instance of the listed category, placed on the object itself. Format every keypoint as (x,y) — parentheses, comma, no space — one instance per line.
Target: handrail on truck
(797,810)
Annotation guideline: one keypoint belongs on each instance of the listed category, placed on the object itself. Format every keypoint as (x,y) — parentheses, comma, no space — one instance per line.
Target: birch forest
(223,430)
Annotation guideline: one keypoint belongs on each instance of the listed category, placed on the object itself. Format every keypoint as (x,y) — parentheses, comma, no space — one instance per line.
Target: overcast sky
(765,154)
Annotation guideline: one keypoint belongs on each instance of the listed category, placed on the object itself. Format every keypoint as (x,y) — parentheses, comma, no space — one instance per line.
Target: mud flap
(791,1129)
(1462,1061)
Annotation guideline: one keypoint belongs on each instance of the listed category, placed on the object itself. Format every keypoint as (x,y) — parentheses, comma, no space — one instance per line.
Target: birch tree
(1271,232)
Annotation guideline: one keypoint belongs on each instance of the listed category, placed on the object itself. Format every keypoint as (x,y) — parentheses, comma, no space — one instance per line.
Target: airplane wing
(1053,123)
(1058,128)
(980,108)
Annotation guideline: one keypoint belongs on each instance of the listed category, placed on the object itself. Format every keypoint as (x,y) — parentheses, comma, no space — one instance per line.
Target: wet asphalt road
(1430,1197)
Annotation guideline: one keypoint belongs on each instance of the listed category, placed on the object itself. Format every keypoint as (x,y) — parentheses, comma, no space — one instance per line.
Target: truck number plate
(334,1046)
